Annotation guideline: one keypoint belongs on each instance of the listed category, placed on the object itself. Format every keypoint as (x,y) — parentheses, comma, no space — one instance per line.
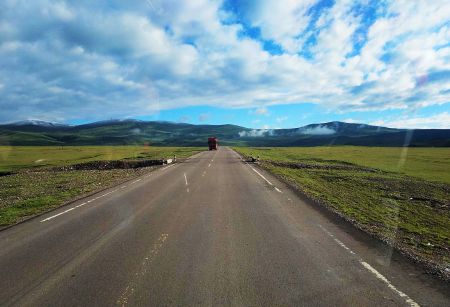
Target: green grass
(426,163)
(407,205)
(25,194)
(13,158)
(29,193)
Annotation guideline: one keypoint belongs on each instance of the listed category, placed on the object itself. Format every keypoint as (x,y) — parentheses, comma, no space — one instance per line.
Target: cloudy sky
(260,64)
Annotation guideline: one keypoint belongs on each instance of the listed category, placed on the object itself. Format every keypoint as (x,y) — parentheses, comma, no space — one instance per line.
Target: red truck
(212,143)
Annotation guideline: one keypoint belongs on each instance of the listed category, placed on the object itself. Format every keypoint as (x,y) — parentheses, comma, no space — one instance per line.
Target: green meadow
(13,158)
(426,163)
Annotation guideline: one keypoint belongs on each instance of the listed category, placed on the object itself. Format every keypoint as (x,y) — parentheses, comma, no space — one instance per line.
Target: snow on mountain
(36,122)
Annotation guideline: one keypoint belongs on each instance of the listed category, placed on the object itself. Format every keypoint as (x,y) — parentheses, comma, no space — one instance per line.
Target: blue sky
(260,64)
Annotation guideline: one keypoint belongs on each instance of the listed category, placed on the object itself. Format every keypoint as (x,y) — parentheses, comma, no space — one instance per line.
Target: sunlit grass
(13,158)
(427,163)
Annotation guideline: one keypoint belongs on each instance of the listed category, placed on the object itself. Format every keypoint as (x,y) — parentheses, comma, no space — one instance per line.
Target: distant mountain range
(131,132)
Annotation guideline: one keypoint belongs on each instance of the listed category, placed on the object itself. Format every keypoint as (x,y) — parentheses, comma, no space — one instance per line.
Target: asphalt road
(212,230)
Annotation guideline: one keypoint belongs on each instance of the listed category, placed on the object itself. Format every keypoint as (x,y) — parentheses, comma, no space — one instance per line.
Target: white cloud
(281,119)
(256,133)
(352,121)
(135,131)
(437,121)
(319,130)
(281,21)
(66,60)
(204,117)
(261,111)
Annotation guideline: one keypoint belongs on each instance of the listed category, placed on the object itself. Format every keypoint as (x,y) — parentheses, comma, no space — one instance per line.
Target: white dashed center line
(143,269)
(185,179)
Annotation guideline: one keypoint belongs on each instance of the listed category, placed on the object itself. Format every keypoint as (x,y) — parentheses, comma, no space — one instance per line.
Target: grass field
(403,199)
(427,163)
(27,193)
(13,158)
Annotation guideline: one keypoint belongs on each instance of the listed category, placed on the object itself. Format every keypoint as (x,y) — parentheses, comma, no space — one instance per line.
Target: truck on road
(212,143)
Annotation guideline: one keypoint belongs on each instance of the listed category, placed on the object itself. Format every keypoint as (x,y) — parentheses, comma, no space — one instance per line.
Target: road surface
(212,230)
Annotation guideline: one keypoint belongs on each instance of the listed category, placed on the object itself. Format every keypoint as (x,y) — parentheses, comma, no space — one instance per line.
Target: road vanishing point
(209,231)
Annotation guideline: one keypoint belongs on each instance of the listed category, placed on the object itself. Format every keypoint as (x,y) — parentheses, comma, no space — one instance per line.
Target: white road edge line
(260,175)
(408,300)
(52,217)
(338,241)
(78,206)
(185,179)
(166,167)
(278,190)
(372,270)
(91,200)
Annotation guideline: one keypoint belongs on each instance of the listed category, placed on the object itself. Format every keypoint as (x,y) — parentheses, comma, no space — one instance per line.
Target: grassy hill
(134,132)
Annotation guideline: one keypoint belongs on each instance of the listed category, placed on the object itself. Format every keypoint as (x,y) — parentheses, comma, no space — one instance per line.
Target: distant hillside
(132,132)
